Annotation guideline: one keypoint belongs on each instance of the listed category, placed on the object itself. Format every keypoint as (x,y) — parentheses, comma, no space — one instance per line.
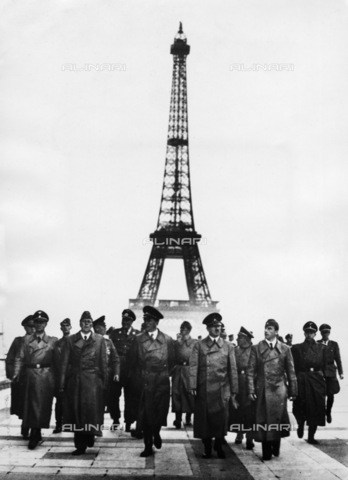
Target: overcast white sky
(82,157)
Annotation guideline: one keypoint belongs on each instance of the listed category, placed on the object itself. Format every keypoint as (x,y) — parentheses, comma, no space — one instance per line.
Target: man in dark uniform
(213,382)
(309,406)
(18,388)
(182,400)
(38,357)
(153,355)
(242,418)
(65,326)
(83,377)
(123,339)
(332,363)
(270,365)
(288,338)
(113,361)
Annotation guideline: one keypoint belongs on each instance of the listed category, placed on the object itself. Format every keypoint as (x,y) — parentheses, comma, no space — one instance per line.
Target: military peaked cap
(40,316)
(100,321)
(325,328)
(288,335)
(272,323)
(86,316)
(213,320)
(310,327)
(244,331)
(27,320)
(129,314)
(151,312)
(66,321)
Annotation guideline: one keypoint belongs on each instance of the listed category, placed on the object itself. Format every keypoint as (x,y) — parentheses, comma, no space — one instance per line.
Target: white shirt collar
(214,339)
(154,334)
(83,335)
(273,342)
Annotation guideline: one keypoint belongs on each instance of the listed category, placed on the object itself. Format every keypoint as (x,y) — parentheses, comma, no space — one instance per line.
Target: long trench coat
(271,376)
(154,360)
(182,400)
(242,418)
(85,362)
(17,388)
(39,363)
(213,373)
(309,358)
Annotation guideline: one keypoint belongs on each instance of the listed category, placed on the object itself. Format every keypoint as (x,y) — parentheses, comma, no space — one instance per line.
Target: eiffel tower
(176,236)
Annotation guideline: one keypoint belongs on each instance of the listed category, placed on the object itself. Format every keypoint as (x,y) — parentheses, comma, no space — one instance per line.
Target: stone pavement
(116,455)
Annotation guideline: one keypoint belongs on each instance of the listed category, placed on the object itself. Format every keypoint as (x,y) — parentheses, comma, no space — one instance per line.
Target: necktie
(85,337)
(271,346)
(38,339)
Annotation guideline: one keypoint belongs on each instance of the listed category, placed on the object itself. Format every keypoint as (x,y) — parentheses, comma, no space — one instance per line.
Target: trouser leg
(178,418)
(207,442)
(188,418)
(114,407)
(329,403)
(276,447)
(266,450)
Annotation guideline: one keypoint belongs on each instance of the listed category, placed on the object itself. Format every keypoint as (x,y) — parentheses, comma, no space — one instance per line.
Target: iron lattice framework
(175,236)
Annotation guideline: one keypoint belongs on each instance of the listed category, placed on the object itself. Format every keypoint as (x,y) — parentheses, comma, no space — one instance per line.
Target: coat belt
(39,365)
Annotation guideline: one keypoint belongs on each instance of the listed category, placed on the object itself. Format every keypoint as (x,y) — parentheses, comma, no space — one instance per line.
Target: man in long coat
(37,357)
(84,357)
(242,419)
(271,364)
(152,354)
(213,382)
(65,326)
(332,363)
(113,361)
(309,359)
(182,399)
(123,339)
(18,388)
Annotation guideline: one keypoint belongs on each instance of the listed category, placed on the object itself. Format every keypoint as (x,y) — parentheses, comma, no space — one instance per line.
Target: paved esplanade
(116,455)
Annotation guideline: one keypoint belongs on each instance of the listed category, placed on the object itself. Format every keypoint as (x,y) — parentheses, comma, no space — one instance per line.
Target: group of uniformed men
(227,388)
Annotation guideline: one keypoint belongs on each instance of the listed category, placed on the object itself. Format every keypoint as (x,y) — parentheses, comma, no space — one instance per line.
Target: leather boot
(177,421)
(207,447)
(218,448)
(311,432)
(148,447)
(188,419)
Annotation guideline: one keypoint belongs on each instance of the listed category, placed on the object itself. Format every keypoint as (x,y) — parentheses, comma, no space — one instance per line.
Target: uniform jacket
(123,343)
(86,362)
(182,400)
(271,376)
(38,361)
(309,359)
(213,373)
(154,360)
(332,359)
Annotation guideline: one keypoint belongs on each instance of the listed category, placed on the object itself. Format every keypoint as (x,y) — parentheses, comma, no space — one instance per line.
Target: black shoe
(300,430)
(177,424)
(25,433)
(249,444)
(313,441)
(128,427)
(328,417)
(157,441)
(147,452)
(58,429)
(78,451)
(90,440)
(33,442)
